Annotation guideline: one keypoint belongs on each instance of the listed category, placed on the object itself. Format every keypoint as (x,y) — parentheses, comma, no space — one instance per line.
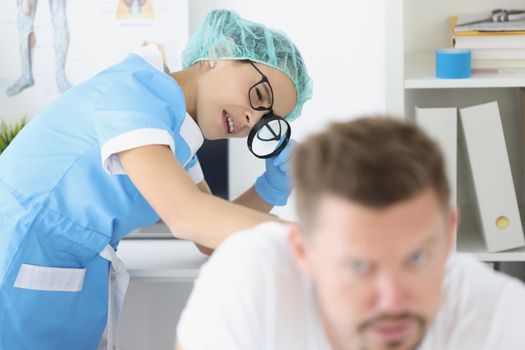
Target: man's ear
(452,227)
(297,242)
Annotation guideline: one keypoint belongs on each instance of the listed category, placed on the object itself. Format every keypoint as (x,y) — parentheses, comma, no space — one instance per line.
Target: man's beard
(395,344)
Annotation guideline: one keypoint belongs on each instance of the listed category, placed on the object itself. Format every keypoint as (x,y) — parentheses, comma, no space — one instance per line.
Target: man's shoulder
(464,271)
(248,294)
(481,308)
(268,234)
(264,244)
(471,283)
(254,259)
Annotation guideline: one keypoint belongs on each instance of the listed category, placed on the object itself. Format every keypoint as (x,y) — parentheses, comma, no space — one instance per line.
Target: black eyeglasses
(260,94)
(270,135)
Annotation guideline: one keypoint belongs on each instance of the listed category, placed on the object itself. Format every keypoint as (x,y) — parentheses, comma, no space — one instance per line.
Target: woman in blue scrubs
(117,152)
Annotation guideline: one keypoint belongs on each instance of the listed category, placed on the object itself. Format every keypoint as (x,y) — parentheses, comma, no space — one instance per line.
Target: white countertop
(161,259)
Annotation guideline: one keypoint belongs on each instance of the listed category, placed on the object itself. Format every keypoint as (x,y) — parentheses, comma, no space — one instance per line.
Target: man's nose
(392,295)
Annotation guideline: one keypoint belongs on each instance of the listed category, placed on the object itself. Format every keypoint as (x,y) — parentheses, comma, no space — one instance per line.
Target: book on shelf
(494,189)
(496,64)
(477,39)
(509,41)
(498,54)
(496,47)
(504,71)
(487,23)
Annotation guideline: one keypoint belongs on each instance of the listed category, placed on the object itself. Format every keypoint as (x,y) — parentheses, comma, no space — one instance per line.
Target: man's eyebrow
(429,241)
(353,256)
(426,243)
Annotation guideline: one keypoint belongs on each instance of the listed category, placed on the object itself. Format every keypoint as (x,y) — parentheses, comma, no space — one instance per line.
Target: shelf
(414,30)
(472,243)
(420,74)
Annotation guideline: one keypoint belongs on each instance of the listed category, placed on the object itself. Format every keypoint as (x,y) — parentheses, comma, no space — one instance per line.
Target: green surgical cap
(224,35)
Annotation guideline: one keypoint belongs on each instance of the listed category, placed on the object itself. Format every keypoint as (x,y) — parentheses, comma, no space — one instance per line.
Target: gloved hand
(274,186)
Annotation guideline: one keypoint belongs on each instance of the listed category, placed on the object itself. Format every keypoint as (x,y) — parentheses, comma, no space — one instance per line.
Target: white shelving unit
(419,74)
(415,29)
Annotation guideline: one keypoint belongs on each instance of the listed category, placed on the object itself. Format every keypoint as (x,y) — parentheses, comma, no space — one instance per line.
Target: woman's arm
(203,186)
(248,199)
(252,200)
(188,212)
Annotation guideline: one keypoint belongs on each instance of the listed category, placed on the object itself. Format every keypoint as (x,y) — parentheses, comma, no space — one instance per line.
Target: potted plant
(8,132)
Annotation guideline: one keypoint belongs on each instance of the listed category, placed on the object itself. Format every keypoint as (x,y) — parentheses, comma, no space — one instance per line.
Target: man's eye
(359,267)
(418,258)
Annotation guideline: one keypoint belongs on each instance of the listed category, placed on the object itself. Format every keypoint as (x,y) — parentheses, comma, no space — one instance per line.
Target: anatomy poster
(48,46)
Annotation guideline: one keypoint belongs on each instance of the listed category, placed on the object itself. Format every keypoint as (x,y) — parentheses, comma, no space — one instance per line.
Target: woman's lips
(228,122)
(225,123)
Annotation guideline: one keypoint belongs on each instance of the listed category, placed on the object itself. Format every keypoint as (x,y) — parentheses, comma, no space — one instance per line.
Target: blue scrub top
(61,173)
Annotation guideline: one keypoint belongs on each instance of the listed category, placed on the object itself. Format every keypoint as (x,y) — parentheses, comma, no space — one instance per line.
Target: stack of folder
(495,197)
(496,46)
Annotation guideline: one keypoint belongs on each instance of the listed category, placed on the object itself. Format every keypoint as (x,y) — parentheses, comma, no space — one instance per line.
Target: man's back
(251,295)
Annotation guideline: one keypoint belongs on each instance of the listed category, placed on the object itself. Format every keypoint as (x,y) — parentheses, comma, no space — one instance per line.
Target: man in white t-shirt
(367,268)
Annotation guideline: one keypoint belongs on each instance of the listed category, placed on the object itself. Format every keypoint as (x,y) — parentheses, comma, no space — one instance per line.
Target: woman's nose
(252,117)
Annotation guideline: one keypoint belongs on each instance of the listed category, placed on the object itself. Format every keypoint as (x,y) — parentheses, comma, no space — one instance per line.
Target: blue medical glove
(274,186)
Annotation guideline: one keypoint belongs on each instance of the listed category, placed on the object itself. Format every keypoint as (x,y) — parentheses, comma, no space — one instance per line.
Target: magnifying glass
(269,136)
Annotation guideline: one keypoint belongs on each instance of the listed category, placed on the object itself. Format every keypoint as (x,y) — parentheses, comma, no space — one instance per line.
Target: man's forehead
(409,222)
(425,201)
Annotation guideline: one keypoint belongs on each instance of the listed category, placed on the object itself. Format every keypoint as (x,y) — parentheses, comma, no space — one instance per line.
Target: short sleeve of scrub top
(132,113)
(194,170)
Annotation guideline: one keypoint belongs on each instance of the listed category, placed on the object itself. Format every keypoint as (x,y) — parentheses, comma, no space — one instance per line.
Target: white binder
(442,125)
(493,184)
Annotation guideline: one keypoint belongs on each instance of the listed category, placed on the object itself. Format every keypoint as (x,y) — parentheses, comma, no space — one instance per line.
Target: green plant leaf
(9,132)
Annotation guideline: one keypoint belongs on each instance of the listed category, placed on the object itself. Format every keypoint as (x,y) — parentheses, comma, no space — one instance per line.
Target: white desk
(162,273)
(162,260)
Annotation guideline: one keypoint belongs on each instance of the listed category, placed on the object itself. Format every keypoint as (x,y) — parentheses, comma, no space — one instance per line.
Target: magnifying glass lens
(269,137)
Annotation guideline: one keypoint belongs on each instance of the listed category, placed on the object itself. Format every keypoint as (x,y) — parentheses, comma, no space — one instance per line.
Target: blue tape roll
(452,63)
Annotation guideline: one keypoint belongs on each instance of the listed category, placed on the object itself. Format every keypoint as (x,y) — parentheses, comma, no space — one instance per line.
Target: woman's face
(223,107)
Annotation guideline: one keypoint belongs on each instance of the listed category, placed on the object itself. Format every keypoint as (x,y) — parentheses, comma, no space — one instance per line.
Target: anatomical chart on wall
(48,46)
